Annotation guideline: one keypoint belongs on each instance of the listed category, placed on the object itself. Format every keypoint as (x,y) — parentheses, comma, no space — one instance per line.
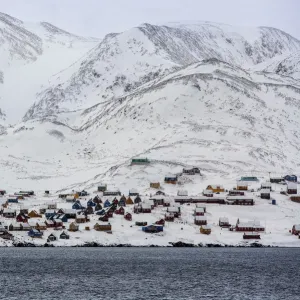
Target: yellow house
(216,188)
(155,185)
(205,229)
(129,201)
(242,186)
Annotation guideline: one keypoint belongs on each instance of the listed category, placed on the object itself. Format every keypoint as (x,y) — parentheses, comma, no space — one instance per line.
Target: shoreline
(171,245)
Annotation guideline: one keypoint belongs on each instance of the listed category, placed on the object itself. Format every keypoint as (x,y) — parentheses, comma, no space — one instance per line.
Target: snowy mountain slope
(228,121)
(125,61)
(286,65)
(30,54)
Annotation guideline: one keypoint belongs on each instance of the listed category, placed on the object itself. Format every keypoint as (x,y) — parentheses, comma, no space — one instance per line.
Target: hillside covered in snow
(30,54)
(199,94)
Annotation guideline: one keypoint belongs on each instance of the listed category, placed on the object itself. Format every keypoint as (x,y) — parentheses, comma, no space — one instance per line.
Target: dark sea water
(149,273)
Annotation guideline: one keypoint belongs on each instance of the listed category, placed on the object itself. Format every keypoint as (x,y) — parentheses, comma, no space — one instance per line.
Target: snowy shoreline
(171,245)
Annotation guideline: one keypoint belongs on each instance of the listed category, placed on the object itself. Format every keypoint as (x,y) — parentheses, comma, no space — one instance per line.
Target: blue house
(63,218)
(153,228)
(12,200)
(291,178)
(77,205)
(91,203)
(107,203)
(34,233)
(122,202)
(50,213)
(101,212)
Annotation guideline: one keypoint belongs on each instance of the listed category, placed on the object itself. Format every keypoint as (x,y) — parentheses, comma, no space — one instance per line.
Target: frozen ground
(277,219)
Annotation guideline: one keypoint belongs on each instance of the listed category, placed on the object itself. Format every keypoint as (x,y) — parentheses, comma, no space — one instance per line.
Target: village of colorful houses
(250,209)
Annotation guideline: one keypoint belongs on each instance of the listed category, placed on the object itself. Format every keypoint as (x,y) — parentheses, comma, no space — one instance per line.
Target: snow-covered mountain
(30,53)
(286,65)
(211,114)
(180,94)
(125,61)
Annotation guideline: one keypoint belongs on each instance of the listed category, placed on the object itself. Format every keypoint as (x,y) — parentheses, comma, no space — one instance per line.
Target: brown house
(102,227)
(80,219)
(41,226)
(73,227)
(155,185)
(34,214)
(242,186)
(129,201)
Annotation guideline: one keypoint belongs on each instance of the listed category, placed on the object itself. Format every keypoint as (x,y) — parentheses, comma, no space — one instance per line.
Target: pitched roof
(265,191)
(224,220)
(291,185)
(8,210)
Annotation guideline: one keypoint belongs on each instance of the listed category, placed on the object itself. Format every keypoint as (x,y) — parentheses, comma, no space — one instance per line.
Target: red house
(199,211)
(200,220)
(174,210)
(49,224)
(110,213)
(104,218)
(58,223)
(22,218)
(146,208)
(128,217)
(120,211)
(169,217)
(249,226)
(296,230)
(160,222)
(167,203)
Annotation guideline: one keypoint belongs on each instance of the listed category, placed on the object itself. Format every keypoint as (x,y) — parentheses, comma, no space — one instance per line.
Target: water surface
(149,273)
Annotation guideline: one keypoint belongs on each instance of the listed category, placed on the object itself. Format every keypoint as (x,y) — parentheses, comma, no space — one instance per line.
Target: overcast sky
(98,17)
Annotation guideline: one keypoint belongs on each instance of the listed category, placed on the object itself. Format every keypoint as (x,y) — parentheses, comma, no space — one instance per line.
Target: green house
(249,178)
(140,161)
